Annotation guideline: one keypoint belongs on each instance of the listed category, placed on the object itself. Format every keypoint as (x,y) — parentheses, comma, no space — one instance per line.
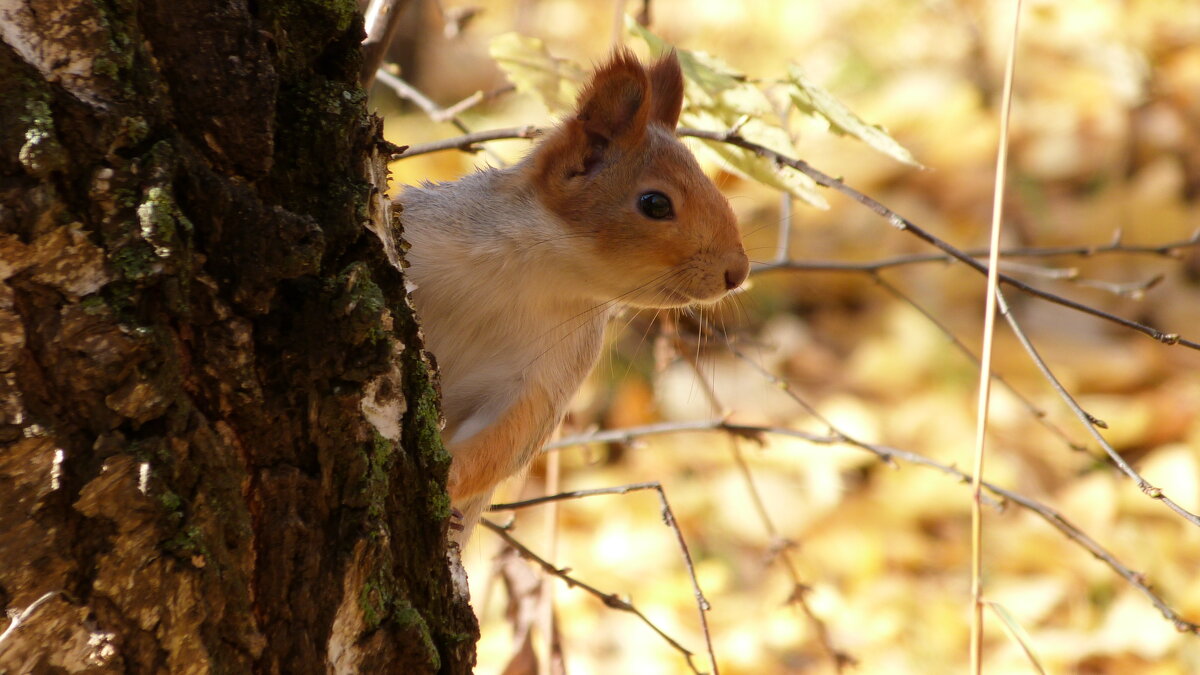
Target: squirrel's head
(657,232)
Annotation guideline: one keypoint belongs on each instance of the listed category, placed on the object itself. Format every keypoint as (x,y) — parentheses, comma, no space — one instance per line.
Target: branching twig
(799,596)
(435,112)
(1088,421)
(668,519)
(890,456)
(609,599)
(468,142)
(572,494)
(1036,412)
(904,224)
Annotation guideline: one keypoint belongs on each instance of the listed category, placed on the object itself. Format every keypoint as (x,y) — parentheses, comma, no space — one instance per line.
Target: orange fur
(521,429)
(666,88)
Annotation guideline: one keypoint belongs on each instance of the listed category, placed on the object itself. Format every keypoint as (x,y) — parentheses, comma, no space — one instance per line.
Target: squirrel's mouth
(660,298)
(670,297)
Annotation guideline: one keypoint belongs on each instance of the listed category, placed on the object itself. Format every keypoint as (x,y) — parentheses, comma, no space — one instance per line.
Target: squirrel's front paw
(456,520)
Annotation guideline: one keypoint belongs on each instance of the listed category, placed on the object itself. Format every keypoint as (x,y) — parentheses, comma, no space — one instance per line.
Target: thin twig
(610,600)
(571,494)
(888,453)
(435,112)
(799,595)
(907,225)
(1167,250)
(890,456)
(668,518)
(468,142)
(547,604)
(450,112)
(1037,413)
(410,93)
(1089,422)
(841,660)
(1131,289)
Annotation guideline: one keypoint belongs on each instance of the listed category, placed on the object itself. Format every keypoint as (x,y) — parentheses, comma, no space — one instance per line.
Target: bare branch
(1088,421)
(668,519)
(1167,250)
(408,92)
(799,596)
(611,600)
(902,223)
(1036,412)
(890,455)
(572,494)
(468,142)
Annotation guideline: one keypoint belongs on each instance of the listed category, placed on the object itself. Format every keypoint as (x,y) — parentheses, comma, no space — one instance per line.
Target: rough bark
(219,434)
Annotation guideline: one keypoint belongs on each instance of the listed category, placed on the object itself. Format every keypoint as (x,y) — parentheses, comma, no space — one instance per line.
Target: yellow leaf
(531,68)
(811,99)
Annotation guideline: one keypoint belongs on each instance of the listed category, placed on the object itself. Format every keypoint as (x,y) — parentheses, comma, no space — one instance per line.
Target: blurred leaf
(1017,633)
(531,68)
(718,98)
(811,99)
(748,164)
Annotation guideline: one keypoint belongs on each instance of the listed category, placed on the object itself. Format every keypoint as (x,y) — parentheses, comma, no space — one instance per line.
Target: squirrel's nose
(736,271)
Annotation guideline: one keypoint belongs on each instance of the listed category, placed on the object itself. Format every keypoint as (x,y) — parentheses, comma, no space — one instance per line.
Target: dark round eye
(655,205)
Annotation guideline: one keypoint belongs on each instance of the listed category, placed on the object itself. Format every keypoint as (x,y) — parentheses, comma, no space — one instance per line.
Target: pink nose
(736,271)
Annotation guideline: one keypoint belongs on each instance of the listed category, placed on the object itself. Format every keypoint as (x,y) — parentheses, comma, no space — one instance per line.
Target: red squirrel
(517,270)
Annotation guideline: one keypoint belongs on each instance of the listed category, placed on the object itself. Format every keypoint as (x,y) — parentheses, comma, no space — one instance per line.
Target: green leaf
(718,98)
(815,101)
(531,68)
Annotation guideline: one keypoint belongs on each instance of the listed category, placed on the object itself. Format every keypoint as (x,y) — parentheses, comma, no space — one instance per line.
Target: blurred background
(1105,148)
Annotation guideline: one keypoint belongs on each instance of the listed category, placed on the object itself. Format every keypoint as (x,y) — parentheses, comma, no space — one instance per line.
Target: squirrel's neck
(495,287)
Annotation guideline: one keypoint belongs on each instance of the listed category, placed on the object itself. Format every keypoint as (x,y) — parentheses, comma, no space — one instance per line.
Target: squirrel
(517,270)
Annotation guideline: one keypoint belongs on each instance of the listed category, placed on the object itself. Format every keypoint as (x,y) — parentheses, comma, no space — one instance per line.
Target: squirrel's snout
(736,271)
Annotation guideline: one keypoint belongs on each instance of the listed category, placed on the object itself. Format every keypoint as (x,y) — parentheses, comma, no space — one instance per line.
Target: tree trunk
(220,435)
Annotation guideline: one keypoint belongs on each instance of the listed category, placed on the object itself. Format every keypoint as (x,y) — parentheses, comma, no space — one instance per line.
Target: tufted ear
(609,123)
(666,90)
(613,106)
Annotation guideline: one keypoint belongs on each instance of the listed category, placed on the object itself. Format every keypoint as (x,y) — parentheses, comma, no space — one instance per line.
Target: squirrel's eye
(655,205)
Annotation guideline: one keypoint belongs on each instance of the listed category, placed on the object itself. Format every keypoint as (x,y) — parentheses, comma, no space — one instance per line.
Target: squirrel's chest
(487,368)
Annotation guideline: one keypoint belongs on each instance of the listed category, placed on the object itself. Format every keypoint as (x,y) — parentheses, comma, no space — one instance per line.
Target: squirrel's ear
(613,107)
(666,90)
